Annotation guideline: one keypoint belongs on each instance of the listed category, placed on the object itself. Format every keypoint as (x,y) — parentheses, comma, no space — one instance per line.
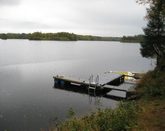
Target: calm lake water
(28,101)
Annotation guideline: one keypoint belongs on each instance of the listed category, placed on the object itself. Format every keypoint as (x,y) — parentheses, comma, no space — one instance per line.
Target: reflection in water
(27,99)
(107,93)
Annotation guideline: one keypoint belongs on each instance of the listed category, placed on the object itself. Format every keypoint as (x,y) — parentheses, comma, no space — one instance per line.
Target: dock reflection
(83,90)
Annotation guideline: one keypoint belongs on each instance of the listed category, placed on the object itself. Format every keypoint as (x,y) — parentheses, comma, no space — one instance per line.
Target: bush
(153,84)
(122,118)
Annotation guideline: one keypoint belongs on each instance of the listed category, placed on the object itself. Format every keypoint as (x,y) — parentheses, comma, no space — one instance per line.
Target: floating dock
(99,81)
(100,84)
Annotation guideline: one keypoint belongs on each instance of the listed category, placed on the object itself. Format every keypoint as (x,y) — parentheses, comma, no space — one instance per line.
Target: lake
(28,101)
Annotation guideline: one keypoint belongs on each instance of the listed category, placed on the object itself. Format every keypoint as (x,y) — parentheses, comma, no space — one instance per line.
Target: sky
(86,17)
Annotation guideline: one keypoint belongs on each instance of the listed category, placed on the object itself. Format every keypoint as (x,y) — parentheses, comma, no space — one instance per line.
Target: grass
(152,114)
(152,103)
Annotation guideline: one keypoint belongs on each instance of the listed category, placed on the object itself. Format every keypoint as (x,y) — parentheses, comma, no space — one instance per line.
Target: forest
(133,39)
(60,36)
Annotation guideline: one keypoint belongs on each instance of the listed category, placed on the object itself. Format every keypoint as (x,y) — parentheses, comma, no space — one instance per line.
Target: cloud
(95,17)
(22,26)
(9,2)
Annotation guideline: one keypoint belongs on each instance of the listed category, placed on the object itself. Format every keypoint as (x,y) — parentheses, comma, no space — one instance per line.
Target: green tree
(3,36)
(154,39)
(35,36)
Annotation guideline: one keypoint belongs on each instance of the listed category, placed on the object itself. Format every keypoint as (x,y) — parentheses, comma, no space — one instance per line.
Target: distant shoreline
(65,36)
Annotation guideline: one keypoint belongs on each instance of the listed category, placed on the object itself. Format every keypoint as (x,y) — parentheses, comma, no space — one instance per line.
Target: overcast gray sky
(94,17)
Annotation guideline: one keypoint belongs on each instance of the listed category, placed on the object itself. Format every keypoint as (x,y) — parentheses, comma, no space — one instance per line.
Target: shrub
(153,84)
(122,118)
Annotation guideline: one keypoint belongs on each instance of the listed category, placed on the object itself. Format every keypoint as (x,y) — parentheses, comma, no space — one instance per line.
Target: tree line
(133,39)
(65,36)
(60,36)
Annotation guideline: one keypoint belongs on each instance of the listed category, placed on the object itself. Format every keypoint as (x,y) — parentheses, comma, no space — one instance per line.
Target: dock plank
(114,88)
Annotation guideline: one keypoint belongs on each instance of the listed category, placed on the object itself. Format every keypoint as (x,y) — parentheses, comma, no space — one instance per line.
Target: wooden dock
(98,81)
(94,85)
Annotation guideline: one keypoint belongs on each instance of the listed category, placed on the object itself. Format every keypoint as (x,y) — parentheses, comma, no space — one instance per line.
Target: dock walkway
(99,84)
